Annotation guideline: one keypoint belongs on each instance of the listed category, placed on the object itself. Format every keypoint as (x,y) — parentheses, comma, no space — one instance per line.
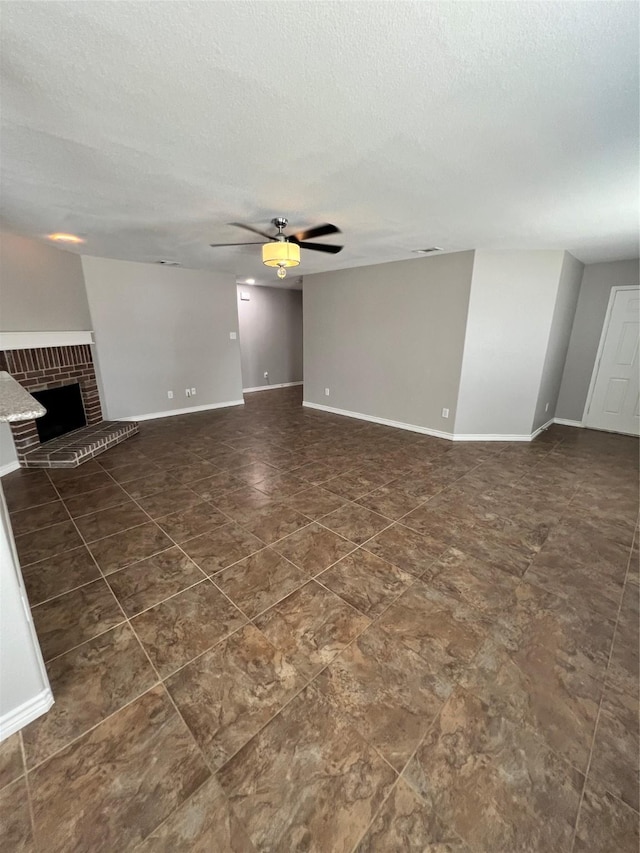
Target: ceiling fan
(283,250)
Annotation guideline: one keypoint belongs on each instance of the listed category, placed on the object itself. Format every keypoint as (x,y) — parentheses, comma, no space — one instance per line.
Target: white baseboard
(566,422)
(13,721)
(542,428)
(153,415)
(494,436)
(449,436)
(9,467)
(270,387)
(384,421)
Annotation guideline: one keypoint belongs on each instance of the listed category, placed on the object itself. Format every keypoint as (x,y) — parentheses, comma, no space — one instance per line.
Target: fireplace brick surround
(43,368)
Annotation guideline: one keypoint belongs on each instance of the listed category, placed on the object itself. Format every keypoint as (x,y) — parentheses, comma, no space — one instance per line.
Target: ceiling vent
(428,251)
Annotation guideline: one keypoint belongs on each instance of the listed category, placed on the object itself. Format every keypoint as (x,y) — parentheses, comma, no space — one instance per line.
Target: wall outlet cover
(187,392)
(170,395)
(445,413)
(233,335)
(326,392)
(193,392)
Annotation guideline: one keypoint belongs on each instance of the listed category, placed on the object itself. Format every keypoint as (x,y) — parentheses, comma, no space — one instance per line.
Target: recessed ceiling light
(249,281)
(165,263)
(428,251)
(65,238)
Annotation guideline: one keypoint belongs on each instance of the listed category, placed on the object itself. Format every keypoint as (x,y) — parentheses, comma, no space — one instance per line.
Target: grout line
(602,696)
(146,654)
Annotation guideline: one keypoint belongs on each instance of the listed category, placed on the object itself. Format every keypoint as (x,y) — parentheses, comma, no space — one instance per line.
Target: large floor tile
(171,500)
(181,628)
(231,691)
(97,525)
(194,521)
(606,823)
(304,766)
(150,581)
(386,691)
(433,624)
(89,683)
(356,523)
(311,626)
(115,785)
(202,824)
(367,582)
(75,617)
(107,496)
(46,542)
(121,549)
(315,502)
(406,823)
(15,821)
(615,759)
(222,547)
(257,582)
(410,551)
(494,783)
(38,516)
(313,548)
(59,574)
(11,764)
(534,687)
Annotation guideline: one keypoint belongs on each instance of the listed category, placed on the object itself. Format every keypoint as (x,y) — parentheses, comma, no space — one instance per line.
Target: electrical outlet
(326,392)
(233,335)
(445,413)
(546,408)
(193,392)
(266,374)
(187,392)
(170,395)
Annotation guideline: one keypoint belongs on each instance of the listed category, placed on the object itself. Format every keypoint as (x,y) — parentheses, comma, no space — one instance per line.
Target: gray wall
(597,281)
(388,339)
(41,288)
(159,329)
(561,325)
(513,296)
(270,335)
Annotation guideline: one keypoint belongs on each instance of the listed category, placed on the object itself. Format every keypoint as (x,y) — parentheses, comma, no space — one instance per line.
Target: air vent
(428,251)
(168,263)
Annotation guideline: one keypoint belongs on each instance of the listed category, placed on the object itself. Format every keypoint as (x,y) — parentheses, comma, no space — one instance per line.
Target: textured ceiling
(145,127)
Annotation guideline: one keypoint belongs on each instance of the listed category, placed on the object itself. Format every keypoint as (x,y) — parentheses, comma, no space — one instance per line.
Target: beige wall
(41,288)
(388,339)
(597,281)
(270,325)
(159,329)
(558,344)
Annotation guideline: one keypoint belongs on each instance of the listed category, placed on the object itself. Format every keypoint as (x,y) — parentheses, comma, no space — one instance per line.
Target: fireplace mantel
(40,340)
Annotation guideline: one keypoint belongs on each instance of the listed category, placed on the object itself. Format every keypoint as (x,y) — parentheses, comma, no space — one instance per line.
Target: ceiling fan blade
(318,247)
(253,230)
(318,231)
(219,245)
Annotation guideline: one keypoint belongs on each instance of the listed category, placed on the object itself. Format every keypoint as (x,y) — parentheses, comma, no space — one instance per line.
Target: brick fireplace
(52,367)
(43,368)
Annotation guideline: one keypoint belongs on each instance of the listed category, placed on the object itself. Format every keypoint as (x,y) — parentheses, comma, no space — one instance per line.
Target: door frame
(617,288)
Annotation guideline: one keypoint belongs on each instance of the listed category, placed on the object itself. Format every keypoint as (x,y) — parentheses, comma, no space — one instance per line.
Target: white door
(616,384)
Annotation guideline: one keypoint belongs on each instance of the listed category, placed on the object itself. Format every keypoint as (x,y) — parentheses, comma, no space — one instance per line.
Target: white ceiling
(145,127)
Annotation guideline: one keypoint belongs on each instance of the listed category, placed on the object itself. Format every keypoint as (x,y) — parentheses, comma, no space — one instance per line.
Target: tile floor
(274,629)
